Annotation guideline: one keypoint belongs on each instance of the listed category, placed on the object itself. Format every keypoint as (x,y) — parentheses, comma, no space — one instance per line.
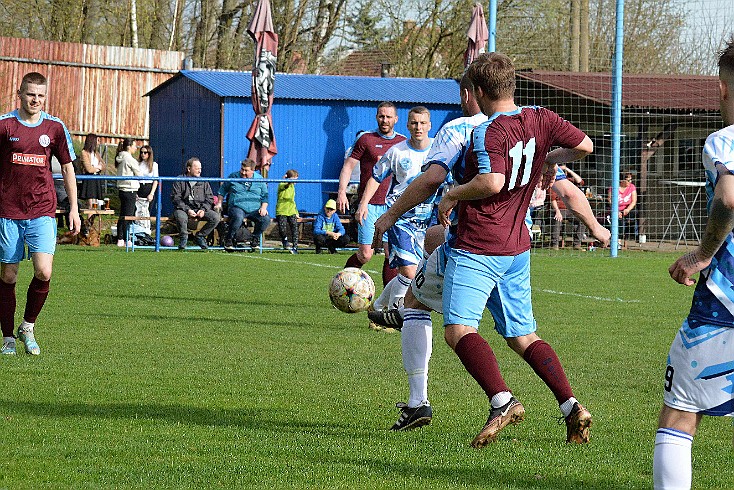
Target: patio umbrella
(261,135)
(477,34)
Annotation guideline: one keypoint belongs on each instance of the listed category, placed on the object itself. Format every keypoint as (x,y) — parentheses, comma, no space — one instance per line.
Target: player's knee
(9,273)
(43,275)
(364,255)
(672,418)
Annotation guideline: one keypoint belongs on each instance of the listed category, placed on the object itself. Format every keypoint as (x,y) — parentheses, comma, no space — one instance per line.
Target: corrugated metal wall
(92,88)
(312,136)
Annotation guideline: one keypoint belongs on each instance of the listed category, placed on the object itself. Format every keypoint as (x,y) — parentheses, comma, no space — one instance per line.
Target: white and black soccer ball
(351,290)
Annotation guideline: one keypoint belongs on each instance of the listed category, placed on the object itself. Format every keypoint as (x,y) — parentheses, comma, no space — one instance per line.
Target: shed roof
(672,92)
(328,87)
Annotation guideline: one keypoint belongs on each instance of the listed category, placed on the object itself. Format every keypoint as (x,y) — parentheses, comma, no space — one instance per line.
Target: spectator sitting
(193,200)
(245,200)
(328,230)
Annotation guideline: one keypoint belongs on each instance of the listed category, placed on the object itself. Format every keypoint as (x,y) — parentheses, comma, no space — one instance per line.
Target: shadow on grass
(481,476)
(246,418)
(208,300)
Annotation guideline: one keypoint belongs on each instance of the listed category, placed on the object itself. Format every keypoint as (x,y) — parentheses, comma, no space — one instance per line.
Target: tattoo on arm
(720,223)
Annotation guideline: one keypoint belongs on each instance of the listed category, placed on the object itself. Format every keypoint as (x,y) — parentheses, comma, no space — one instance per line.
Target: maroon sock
(354,261)
(544,361)
(388,273)
(7,308)
(37,294)
(479,360)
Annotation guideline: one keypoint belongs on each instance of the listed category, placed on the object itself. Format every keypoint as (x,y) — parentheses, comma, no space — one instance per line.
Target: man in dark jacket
(193,200)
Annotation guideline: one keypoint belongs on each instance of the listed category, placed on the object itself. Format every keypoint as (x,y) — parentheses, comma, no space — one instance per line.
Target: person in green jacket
(245,200)
(286,212)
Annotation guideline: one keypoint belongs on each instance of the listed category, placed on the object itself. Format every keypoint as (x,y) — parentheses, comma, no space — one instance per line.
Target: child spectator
(286,212)
(328,230)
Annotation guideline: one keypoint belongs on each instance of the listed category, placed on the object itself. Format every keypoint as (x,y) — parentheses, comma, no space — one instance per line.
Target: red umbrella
(477,34)
(261,135)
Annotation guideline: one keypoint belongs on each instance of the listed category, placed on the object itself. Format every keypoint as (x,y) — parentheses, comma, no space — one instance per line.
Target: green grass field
(214,370)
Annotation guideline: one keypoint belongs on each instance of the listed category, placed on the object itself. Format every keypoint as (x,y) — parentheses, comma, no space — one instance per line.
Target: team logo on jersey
(14,138)
(405,163)
(28,159)
(44,140)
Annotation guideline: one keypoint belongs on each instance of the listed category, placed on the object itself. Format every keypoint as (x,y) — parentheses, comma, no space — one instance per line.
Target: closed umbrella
(261,134)
(477,35)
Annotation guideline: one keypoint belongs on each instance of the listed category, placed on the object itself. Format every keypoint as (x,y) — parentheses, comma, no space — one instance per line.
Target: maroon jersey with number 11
(514,144)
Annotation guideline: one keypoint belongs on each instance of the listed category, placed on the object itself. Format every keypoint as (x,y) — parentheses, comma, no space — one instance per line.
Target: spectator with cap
(328,230)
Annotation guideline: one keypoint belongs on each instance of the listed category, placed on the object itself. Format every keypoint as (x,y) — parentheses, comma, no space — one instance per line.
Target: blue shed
(207,114)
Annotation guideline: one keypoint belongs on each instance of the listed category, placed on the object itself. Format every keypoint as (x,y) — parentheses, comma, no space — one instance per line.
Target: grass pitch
(214,370)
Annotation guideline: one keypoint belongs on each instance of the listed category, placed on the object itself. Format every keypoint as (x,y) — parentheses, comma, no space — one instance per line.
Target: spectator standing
(148,168)
(29,138)
(193,200)
(127,165)
(286,212)
(245,200)
(328,230)
(92,164)
(626,205)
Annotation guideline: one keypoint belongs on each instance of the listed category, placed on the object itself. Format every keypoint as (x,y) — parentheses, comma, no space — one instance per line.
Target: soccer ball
(167,241)
(351,290)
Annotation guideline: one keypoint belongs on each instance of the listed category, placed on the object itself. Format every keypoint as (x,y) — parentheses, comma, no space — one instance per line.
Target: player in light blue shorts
(469,278)
(366,229)
(38,233)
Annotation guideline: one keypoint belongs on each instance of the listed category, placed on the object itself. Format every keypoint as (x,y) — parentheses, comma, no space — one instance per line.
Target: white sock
(384,299)
(399,289)
(671,467)
(394,290)
(501,398)
(26,326)
(567,406)
(416,340)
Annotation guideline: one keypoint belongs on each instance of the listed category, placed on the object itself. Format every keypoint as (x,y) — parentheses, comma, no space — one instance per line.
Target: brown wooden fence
(93,89)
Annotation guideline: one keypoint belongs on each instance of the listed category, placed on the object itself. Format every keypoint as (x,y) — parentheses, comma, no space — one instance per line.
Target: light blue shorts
(38,233)
(499,283)
(366,231)
(406,243)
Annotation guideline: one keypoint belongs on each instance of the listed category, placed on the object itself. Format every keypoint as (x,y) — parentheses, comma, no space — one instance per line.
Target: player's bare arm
(67,171)
(480,186)
(720,223)
(367,193)
(423,187)
(566,155)
(342,203)
(576,201)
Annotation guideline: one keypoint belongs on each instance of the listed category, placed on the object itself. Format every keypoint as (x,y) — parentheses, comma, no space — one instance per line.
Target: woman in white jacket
(126,165)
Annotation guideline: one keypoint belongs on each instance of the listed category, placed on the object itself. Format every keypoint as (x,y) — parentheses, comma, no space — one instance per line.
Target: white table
(686,212)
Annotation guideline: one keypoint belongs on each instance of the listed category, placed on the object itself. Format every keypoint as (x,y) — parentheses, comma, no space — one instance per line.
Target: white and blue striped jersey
(713,300)
(403,163)
(451,142)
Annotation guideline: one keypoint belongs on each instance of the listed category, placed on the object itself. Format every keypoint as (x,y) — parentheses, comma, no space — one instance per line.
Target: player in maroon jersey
(29,137)
(367,150)
(489,261)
